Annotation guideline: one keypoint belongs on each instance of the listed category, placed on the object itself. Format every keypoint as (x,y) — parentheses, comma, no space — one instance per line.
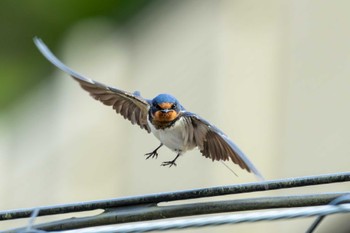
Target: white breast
(174,137)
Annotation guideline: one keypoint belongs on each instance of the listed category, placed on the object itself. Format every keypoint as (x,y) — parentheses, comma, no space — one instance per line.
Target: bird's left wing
(214,144)
(131,106)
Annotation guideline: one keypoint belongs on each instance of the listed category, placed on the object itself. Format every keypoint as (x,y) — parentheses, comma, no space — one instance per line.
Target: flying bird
(164,116)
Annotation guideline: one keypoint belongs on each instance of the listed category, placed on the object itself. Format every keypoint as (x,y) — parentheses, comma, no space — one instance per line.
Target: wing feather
(214,144)
(131,106)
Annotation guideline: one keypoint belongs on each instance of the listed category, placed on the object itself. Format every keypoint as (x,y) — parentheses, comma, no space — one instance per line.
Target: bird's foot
(169,163)
(153,154)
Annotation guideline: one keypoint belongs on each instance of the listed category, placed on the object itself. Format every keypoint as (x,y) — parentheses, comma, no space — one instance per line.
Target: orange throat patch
(165,117)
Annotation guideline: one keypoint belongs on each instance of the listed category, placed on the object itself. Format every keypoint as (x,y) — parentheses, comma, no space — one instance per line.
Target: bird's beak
(165,110)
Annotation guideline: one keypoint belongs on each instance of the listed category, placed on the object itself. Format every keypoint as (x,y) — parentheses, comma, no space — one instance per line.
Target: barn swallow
(165,117)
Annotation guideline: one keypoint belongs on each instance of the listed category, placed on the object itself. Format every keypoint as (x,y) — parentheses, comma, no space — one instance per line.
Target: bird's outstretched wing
(214,144)
(131,106)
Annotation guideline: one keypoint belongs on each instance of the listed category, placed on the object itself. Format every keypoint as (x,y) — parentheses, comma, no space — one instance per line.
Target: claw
(153,154)
(172,162)
(169,163)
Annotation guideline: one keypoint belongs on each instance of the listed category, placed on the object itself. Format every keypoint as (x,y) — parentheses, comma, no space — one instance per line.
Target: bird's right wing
(131,106)
(214,144)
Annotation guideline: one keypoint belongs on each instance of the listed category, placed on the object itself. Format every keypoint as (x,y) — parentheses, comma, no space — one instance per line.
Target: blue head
(165,108)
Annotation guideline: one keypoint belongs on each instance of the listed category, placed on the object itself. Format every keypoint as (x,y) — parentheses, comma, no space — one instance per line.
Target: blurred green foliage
(21,20)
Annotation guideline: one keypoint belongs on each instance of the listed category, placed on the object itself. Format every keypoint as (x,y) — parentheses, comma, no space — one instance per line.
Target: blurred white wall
(273,75)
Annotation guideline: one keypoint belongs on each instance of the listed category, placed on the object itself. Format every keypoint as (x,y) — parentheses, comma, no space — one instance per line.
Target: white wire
(219,220)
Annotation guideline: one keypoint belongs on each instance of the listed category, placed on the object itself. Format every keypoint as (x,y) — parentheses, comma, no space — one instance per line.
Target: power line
(220,220)
(146,207)
(178,195)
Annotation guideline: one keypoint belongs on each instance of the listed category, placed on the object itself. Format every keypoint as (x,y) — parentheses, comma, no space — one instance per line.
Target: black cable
(339,200)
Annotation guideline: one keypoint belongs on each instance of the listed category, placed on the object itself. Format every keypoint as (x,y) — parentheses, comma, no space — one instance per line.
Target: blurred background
(273,75)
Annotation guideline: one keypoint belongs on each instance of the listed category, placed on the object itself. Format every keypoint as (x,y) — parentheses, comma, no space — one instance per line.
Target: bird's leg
(172,162)
(154,154)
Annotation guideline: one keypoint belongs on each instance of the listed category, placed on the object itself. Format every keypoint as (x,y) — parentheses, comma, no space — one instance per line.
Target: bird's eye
(173,106)
(156,106)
